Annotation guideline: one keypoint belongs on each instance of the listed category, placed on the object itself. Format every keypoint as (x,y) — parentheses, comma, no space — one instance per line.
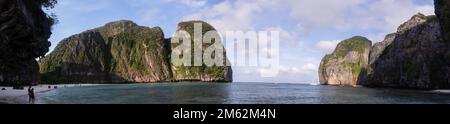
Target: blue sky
(309,28)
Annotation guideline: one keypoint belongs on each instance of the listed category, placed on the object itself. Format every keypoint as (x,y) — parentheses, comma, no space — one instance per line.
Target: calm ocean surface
(235,93)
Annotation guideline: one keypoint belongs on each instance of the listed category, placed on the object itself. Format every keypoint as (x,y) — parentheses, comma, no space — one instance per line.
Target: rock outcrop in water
(24,33)
(345,65)
(118,52)
(201,73)
(415,57)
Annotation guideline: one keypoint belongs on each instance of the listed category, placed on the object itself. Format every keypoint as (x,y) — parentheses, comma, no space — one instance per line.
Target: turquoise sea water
(235,93)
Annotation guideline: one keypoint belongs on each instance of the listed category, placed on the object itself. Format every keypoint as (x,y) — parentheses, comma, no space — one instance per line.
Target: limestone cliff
(378,48)
(24,33)
(413,59)
(118,52)
(442,10)
(202,72)
(346,63)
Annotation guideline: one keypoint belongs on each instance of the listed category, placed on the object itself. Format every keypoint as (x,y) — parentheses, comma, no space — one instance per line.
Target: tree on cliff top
(48,3)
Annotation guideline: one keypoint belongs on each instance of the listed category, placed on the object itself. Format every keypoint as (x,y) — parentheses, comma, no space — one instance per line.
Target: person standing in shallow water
(31,97)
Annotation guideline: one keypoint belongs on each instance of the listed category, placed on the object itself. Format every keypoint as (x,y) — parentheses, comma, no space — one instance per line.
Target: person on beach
(31,95)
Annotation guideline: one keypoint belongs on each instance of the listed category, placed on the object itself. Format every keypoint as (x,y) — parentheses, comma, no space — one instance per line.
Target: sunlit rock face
(414,57)
(24,33)
(203,72)
(118,52)
(122,52)
(345,65)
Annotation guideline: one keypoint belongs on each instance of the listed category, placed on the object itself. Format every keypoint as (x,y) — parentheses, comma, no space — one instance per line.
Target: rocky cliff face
(414,59)
(202,72)
(378,48)
(24,33)
(345,65)
(118,52)
(442,10)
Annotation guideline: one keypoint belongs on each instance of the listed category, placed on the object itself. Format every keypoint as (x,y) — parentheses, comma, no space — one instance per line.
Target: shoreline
(12,96)
(442,91)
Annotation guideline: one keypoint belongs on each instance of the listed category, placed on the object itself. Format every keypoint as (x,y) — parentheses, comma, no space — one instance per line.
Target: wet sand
(12,96)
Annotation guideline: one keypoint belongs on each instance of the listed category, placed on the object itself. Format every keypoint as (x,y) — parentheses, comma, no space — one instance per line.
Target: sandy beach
(12,96)
(444,91)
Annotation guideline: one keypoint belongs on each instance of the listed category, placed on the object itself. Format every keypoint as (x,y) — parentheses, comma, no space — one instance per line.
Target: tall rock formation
(345,65)
(119,52)
(202,72)
(442,10)
(24,33)
(414,59)
(378,48)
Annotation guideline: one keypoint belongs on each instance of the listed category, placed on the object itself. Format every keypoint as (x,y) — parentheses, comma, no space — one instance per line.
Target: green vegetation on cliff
(119,52)
(357,43)
(214,73)
(346,63)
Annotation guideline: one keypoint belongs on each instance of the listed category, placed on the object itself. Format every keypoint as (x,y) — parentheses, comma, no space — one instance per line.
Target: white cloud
(190,3)
(310,67)
(381,15)
(321,13)
(327,46)
(426,9)
(292,70)
(305,73)
(372,18)
(232,15)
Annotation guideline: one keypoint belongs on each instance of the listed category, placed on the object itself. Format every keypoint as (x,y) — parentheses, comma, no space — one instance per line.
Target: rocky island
(121,52)
(345,65)
(414,57)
